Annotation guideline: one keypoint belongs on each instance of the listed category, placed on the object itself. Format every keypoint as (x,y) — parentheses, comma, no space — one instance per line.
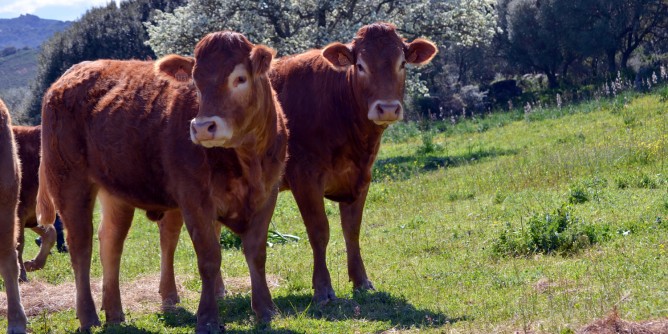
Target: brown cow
(338,101)
(128,131)
(10,180)
(28,142)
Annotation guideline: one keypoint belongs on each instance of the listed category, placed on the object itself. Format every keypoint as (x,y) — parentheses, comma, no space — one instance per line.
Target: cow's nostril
(380,109)
(211,128)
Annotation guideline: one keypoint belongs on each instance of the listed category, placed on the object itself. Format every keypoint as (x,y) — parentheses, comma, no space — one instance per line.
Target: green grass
(431,223)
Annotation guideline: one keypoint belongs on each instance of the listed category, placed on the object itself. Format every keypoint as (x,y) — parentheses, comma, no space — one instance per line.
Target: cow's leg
(9,270)
(199,217)
(311,205)
(170,229)
(114,227)
(23,276)
(351,220)
(254,242)
(75,202)
(48,236)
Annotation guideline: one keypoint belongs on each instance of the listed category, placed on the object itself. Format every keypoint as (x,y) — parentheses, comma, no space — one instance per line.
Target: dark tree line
(112,32)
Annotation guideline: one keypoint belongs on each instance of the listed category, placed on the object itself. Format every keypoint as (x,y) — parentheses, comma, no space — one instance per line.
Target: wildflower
(559,101)
(664,75)
(655,79)
(510,105)
(527,108)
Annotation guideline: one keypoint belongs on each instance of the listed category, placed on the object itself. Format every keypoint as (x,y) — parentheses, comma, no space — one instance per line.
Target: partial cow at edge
(200,138)
(28,142)
(10,180)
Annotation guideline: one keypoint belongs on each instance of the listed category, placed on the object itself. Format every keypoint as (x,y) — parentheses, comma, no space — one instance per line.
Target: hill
(18,69)
(28,31)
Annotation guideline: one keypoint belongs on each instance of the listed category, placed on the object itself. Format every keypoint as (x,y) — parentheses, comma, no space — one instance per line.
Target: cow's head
(376,60)
(229,73)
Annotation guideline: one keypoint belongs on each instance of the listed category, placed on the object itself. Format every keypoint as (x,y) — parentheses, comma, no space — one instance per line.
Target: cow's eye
(403,65)
(239,80)
(360,67)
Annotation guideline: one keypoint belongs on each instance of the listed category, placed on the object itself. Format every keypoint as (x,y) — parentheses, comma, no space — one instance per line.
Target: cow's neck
(363,133)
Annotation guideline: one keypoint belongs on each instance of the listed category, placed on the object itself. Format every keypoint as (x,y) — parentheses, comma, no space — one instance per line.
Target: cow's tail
(46,211)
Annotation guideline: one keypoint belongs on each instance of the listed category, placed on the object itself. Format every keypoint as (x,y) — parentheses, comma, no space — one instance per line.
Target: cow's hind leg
(312,207)
(9,270)
(351,220)
(255,249)
(114,227)
(75,201)
(48,235)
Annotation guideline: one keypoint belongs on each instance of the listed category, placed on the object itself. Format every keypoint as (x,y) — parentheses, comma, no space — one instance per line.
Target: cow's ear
(338,55)
(420,51)
(175,67)
(261,57)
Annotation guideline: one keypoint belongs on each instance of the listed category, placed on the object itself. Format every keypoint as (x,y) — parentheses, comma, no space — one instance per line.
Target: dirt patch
(140,295)
(613,324)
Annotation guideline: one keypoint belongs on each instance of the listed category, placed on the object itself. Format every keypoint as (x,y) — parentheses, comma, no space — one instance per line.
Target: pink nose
(203,130)
(388,111)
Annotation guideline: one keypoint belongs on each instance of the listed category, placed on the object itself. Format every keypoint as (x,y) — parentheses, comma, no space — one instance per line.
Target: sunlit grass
(430,225)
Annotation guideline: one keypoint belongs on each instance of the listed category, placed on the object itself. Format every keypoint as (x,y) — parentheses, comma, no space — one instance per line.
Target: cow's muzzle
(210,131)
(386,112)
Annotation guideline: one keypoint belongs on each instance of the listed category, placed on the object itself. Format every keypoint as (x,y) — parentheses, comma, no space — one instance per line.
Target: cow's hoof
(210,328)
(115,319)
(170,302)
(16,329)
(87,325)
(33,265)
(324,297)
(265,316)
(365,286)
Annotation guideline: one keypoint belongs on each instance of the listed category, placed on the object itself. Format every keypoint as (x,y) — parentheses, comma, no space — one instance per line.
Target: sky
(63,10)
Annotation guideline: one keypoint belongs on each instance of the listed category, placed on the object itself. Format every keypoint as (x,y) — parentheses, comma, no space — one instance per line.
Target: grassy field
(534,222)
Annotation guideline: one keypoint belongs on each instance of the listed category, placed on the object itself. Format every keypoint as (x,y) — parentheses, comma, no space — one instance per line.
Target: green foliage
(229,240)
(547,233)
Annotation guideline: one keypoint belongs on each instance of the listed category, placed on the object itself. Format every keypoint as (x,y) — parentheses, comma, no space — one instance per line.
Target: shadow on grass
(405,167)
(122,329)
(369,306)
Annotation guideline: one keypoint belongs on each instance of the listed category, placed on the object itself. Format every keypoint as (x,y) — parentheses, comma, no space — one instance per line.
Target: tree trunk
(552,82)
(612,64)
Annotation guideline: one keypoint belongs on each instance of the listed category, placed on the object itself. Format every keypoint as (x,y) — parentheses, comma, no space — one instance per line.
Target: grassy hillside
(18,69)
(533,222)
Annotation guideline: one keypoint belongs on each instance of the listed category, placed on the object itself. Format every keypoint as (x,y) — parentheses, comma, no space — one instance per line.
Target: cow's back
(28,142)
(114,121)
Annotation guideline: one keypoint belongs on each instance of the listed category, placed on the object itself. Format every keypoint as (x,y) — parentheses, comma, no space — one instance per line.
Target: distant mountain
(28,31)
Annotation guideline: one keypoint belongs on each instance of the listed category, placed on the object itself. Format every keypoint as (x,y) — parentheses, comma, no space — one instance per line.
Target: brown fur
(333,144)
(28,142)
(10,180)
(119,129)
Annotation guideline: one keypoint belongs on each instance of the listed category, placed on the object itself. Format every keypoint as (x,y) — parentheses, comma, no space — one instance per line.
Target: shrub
(557,232)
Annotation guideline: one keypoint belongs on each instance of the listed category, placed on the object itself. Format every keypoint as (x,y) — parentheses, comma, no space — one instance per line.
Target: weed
(556,232)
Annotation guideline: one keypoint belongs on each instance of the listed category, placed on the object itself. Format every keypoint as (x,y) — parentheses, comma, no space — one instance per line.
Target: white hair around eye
(237,81)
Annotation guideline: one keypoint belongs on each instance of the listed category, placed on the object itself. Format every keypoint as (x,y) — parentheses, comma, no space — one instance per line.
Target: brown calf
(28,142)
(10,180)
(338,101)
(133,134)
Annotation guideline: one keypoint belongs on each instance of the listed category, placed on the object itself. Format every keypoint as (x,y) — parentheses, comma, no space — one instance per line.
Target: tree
(115,32)
(297,25)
